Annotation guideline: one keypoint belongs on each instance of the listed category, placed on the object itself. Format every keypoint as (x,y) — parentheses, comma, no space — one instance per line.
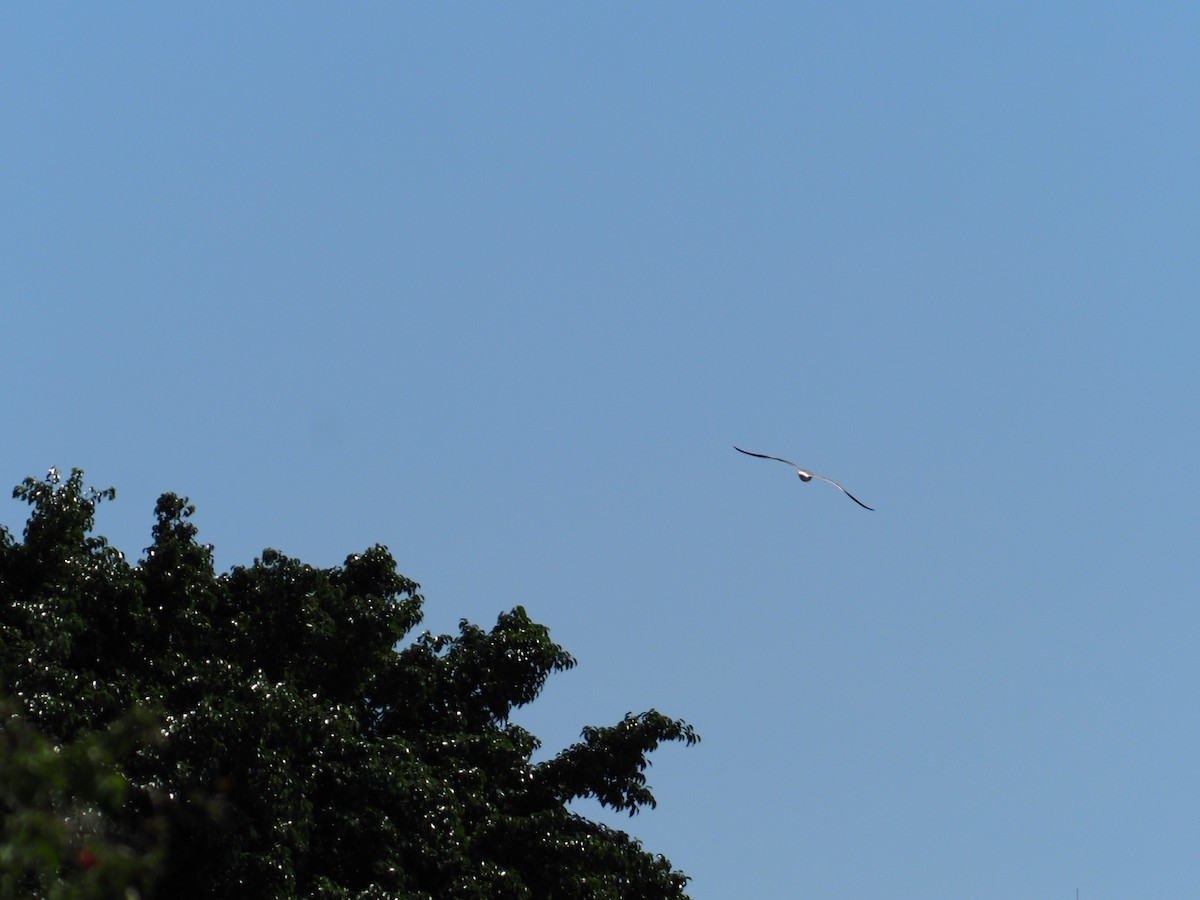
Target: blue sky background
(500,287)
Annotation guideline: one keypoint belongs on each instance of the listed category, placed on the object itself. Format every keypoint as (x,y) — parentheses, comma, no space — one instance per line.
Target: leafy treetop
(295,747)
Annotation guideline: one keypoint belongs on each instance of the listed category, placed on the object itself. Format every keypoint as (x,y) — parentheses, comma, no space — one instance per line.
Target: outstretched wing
(776,458)
(843,490)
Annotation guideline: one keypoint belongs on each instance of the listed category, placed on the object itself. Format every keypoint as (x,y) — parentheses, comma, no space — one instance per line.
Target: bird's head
(804,476)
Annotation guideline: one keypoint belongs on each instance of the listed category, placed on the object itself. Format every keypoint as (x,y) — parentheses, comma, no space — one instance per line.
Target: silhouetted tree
(295,748)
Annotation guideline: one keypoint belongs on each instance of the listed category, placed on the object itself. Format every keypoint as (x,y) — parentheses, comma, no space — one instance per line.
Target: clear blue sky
(500,287)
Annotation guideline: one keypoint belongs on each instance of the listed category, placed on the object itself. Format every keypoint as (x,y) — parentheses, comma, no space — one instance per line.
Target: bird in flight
(806,475)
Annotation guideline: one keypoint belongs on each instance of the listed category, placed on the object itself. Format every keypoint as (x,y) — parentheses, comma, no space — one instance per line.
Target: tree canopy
(274,731)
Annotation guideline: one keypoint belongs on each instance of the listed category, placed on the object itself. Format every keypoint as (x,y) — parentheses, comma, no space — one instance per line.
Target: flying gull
(806,475)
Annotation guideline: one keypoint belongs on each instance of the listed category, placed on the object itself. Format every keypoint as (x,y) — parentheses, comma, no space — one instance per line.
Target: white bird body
(806,475)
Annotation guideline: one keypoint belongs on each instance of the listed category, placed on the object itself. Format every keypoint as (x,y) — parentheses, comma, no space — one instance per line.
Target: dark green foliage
(293,749)
(64,832)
